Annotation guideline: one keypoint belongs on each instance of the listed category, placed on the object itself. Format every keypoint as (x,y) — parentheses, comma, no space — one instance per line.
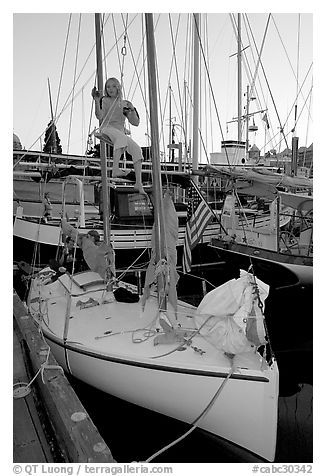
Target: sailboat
(285,240)
(277,240)
(210,366)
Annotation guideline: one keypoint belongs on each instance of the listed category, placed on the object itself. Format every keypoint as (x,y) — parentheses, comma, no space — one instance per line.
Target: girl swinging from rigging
(111,110)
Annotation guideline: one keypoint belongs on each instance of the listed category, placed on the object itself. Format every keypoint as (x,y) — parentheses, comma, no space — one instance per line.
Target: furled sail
(260,181)
(168,267)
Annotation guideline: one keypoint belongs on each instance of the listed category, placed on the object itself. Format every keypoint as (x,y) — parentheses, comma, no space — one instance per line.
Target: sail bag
(231,317)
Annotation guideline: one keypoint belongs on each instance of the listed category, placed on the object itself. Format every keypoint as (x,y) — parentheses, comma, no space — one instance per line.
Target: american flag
(198,216)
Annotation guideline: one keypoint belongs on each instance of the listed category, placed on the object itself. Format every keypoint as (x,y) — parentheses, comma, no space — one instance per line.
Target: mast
(295,139)
(195,123)
(170,124)
(156,167)
(239,79)
(104,173)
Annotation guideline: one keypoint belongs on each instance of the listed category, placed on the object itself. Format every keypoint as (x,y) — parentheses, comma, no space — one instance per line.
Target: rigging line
(248,69)
(185,78)
(203,144)
(62,67)
(292,69)
(288,116)
(161,132)
(176,106)
(161,138)
(144,76)
(130,267)
(246,66)
(209,92)
(67,103)
(141,54)
(304,155)
(309,95)
(141,70)
(116,43)
(83,118)
(298,62)
(141,50)
(208,96)
(102,23)
(137,75)
(259,56)
(89,128)
(169,89)
(278,141)
(203,86)
(171,64)
(124,50)
(211,87)
(75,70)
(270,92)
(174,40)
(254,89)
(188,93)
(195,423)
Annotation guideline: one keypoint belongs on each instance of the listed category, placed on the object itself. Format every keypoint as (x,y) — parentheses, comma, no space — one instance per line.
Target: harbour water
(134,433)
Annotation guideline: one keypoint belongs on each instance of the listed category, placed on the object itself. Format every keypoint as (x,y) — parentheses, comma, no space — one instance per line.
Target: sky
(38,64)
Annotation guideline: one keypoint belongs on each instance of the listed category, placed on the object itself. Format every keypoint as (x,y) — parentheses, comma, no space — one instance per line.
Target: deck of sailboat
(123,331)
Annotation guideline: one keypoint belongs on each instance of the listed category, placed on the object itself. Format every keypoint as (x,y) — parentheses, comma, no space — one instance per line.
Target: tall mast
(239,78)
(247,122)
(156,166)
(195,123)
(104,173)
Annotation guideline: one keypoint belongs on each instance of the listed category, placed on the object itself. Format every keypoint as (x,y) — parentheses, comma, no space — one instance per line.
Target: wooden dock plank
(79,441)
(29,444)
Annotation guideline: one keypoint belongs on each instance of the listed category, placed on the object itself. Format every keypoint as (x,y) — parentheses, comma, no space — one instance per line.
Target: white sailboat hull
(178,384)
(49,234)
(245,413)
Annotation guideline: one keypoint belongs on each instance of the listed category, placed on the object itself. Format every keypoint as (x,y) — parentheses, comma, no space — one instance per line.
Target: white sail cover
(230,316)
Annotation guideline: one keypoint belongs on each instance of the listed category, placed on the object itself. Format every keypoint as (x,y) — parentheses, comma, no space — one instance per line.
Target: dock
(49,422)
